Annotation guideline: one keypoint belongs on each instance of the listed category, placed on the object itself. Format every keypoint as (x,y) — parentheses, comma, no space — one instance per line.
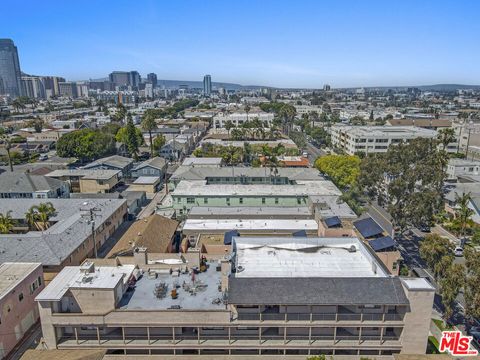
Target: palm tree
(43,212)
(247,110)
(463,212)
(31,218)
(6,222)
(149,124)
(229,126)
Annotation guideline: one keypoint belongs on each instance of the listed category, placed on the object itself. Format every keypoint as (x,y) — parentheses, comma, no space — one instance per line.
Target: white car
(458,251)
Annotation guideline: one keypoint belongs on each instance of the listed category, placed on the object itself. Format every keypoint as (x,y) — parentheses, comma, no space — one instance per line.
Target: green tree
(131,139)
(342,169)
(149,124)
(86,145)
(6,222)
(472,283)
(437,252)
(159,142)
(463,213)
(229,126)
(407,179)
(44,212)
(450,285)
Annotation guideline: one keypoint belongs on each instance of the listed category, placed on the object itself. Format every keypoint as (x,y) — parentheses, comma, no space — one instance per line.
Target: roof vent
(352,249)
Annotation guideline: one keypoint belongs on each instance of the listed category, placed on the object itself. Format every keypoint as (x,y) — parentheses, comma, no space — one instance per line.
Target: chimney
(140,256)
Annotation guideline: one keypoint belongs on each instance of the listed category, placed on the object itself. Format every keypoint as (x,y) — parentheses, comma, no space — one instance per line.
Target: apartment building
(270,296)
(240,187)
(376,139)
(67,238)
(88,180)
(19,284)
(27,186)
(462,167)
(220,120)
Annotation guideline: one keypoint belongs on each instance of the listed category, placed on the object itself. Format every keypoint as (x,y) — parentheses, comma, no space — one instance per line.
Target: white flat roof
(12,274)
(304,257)
(302,188)
(104,277)
(417,284)
(249,224)
(147,180)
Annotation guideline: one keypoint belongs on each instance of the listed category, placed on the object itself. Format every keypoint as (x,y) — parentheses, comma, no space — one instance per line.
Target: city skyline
(301,45)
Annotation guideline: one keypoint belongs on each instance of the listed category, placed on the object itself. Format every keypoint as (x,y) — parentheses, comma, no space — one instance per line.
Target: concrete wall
(18,316)
(417,321)
(97,186)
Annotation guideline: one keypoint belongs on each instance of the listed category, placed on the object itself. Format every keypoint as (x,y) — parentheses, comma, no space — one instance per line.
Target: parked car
(43,157)
(458,251)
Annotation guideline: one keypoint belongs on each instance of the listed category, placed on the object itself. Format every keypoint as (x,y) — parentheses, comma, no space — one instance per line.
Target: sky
(296,43)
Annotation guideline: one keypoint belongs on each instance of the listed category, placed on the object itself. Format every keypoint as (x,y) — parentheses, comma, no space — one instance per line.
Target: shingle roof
(116,161)
(154,233)
(156,162)
(25,183)
(53,245)
(316,291)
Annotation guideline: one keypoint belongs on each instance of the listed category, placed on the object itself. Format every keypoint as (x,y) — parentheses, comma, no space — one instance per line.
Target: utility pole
(90,214)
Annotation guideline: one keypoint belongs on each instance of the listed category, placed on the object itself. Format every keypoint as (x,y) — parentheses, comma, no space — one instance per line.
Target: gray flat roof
(236,211)
(316,291)
(69,231)
(143,298)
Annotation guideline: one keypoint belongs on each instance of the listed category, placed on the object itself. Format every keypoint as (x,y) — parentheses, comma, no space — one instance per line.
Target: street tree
(342,169)
(407,179)
(450,285)
(437,252)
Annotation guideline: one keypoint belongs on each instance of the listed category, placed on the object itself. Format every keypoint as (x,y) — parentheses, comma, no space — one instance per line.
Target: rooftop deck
(202,294)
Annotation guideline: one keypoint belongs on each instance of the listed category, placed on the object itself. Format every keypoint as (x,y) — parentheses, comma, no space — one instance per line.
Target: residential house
(14,185)
(20,283)
(157,233)
(114,162)
(155,167)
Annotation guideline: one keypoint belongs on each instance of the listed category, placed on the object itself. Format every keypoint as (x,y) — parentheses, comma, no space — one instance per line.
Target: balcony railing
(320,317)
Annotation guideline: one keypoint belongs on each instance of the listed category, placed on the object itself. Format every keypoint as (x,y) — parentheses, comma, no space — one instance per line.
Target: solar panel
(301,233)
(332,221)
(368,227)
(382,243)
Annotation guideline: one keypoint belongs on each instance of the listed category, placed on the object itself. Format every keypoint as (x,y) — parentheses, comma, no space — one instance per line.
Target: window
(205,200)
(190,200)
(20,297)
(263,200)
(39,280)
(240,200)
(276,201)
(299,201)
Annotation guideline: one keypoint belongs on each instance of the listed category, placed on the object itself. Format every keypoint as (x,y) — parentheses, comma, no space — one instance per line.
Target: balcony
(340,316)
